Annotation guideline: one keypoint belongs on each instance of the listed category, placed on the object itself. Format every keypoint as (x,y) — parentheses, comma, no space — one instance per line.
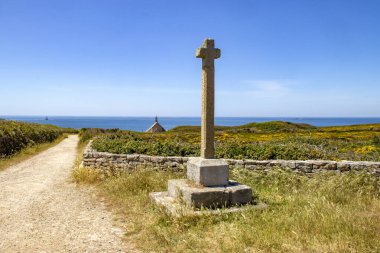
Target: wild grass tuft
(88,176)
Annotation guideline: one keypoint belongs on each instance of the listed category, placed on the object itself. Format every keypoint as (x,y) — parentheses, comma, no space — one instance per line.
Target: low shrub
(264,141)
(15,136)
(87,134)
(376,140)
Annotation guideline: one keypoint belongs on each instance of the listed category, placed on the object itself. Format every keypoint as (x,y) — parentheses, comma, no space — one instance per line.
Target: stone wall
(105,161)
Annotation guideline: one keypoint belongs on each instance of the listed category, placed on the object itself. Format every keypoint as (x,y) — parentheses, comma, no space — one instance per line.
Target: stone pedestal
(206,186)
(209,197)
(207,172)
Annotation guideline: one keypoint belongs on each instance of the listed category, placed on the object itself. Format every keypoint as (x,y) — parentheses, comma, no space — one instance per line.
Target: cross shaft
(208,53)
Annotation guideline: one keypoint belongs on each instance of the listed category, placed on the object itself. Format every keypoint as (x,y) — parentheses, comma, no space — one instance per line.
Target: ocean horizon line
(152,116)
(142,123)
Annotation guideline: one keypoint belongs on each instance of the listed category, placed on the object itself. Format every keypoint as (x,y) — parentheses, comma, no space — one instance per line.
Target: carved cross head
(208,50)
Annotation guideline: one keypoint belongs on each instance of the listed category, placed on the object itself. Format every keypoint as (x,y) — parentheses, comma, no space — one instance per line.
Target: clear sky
(137,58)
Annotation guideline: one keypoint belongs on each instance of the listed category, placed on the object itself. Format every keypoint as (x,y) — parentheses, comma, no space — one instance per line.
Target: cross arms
(208,51)
(213,53)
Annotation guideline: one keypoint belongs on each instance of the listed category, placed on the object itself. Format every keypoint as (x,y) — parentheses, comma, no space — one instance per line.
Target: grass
(259,141)
(28,152)
(324,213)
(81,175)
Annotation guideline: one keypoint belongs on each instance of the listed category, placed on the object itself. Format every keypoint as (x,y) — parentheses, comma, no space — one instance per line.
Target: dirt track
(42,211)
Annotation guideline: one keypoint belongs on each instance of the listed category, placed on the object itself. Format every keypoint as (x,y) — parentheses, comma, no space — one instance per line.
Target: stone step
(177,209)
(199,196)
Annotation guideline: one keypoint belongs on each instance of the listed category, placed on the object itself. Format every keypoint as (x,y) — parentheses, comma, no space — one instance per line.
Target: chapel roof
(156,127)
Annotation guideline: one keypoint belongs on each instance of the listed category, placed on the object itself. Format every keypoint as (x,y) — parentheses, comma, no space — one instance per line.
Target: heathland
(325,212)
(270,140)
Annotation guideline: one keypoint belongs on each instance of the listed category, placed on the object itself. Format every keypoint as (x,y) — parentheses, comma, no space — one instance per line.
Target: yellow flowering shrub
(365,149)
(269,140)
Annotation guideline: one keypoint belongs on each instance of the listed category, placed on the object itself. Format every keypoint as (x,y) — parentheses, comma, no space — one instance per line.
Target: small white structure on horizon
(156,127)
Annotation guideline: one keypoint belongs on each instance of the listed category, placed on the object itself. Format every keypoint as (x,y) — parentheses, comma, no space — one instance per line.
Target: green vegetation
(325,213)
(87,134)
(269,140)
(28,152)
(20,140)
(15,136)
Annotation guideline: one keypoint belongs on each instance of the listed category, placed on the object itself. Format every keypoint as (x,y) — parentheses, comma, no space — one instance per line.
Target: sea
(143,123)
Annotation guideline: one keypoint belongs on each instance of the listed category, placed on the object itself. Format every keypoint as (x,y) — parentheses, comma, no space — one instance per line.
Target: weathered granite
(208,53)
(207,172)
(176,208)
(207,183)
(210,197)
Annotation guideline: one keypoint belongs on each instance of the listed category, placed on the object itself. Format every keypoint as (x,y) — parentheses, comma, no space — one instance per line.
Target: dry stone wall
(125,162)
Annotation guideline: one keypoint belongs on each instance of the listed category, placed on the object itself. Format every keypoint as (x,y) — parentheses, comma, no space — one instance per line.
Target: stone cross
(211,174)
(208,53)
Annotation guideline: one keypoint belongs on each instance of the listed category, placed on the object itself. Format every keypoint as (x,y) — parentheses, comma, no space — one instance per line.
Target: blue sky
(137,58)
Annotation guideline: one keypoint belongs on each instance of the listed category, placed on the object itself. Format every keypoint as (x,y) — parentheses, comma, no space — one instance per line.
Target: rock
(304,166)
(208,172)
(343,166)
(197,196)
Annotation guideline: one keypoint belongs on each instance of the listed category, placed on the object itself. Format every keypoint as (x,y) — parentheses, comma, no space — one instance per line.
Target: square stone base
(207,172)
(211,197)
(176,208)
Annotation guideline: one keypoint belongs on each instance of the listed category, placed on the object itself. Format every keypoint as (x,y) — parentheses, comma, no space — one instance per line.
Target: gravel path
(42,211)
